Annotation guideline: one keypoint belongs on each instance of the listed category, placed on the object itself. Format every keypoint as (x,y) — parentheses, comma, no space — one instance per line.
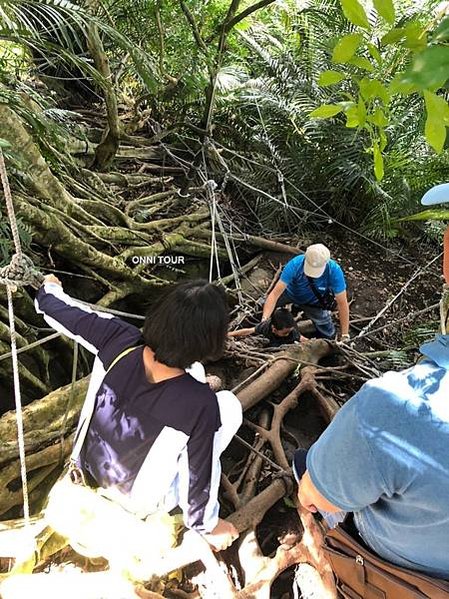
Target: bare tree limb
(245,13)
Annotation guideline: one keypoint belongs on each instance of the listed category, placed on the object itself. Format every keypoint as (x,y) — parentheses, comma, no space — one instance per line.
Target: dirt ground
(375,276)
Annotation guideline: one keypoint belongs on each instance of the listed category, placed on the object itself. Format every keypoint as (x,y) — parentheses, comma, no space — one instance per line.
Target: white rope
(234,267)
(211,186)
(19,414)
(213,244)
(15,363)
(9,205)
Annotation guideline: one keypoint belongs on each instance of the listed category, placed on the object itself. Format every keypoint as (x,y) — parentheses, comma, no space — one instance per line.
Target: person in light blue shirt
(385,457)
(307,281)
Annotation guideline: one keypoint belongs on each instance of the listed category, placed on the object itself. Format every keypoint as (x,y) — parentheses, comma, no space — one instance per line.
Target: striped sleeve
(198,498)
(101,333)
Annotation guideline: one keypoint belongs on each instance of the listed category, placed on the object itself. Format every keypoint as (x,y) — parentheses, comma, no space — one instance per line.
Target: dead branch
(260,242)
(281,368)
(251,472)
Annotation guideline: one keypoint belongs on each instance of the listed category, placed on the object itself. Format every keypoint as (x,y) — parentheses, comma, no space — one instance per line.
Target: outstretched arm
(99,332)
(343,312)
(272,299)
(199,478)
(242,332)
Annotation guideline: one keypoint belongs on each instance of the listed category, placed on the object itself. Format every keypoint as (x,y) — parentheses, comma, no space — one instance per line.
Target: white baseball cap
(317,256)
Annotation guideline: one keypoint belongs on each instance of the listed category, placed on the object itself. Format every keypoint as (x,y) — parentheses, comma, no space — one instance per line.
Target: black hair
(282,319)
(188,323)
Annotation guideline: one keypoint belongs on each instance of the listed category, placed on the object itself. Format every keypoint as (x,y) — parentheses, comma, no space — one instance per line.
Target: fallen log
(260,242)
(283,365)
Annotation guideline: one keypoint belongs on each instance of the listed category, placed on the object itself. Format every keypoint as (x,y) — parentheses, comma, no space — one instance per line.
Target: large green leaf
(346,47)
(429,70)
(378,163)
(362,63)
(374,53)
(386,9)
(330,78)
(378,118)
(352,117)
(435,134)
(437,106)
(361,111)
(393,36)
(437,118)
(415,36)
(355,13)
(441,33)
(373,88)
(326,111)
(428,215)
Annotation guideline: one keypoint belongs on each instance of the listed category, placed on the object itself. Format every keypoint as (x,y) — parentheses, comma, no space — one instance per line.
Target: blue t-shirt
(298,287)
(385,457)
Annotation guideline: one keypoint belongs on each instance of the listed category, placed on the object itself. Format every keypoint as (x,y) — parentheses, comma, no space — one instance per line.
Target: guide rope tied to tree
(18,273)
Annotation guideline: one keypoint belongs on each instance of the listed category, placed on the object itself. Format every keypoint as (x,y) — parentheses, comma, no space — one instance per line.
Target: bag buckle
(359,560)
(76,475)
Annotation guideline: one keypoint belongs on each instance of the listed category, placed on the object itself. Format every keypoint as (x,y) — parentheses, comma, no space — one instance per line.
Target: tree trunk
(107,148)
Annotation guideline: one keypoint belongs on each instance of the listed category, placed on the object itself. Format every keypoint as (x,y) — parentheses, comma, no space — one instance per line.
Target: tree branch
(245,13)
(196,34)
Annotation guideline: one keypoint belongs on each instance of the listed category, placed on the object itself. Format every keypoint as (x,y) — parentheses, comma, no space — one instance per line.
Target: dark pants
(322,319)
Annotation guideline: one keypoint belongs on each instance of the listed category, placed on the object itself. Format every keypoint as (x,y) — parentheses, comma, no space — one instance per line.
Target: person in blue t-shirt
(385,458)
(306,282)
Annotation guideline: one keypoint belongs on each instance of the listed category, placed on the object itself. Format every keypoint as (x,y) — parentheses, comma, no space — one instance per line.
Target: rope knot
(20,272)
(210,185)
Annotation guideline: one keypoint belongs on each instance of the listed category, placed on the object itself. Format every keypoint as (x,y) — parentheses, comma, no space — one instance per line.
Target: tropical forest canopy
(336,108)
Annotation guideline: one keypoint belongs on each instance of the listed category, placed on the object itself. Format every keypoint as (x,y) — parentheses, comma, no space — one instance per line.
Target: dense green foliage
(321,108)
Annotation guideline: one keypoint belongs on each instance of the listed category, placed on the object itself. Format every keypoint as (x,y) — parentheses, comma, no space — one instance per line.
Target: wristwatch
(345,337)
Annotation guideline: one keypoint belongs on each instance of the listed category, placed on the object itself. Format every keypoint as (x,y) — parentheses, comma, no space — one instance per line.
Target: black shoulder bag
(326,300)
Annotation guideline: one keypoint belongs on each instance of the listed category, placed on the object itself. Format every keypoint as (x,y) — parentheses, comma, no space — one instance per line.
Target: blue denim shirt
(385,457)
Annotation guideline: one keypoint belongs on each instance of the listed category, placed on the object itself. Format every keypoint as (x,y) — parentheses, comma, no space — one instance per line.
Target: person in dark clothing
(156,429)
(280,329)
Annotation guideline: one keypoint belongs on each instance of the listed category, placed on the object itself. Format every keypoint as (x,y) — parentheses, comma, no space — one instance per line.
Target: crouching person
(280,329)
(384,461)
(151,430)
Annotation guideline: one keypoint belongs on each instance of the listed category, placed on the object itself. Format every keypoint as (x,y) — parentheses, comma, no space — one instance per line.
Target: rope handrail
(19,272)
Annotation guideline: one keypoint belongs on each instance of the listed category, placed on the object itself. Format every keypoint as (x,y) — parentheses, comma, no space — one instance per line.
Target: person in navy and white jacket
(157,429)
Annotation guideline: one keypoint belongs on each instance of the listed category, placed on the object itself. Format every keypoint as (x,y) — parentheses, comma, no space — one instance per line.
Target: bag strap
(81,435)
(316,293)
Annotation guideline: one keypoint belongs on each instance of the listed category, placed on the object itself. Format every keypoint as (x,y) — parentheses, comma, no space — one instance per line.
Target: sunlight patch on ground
(69,583)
